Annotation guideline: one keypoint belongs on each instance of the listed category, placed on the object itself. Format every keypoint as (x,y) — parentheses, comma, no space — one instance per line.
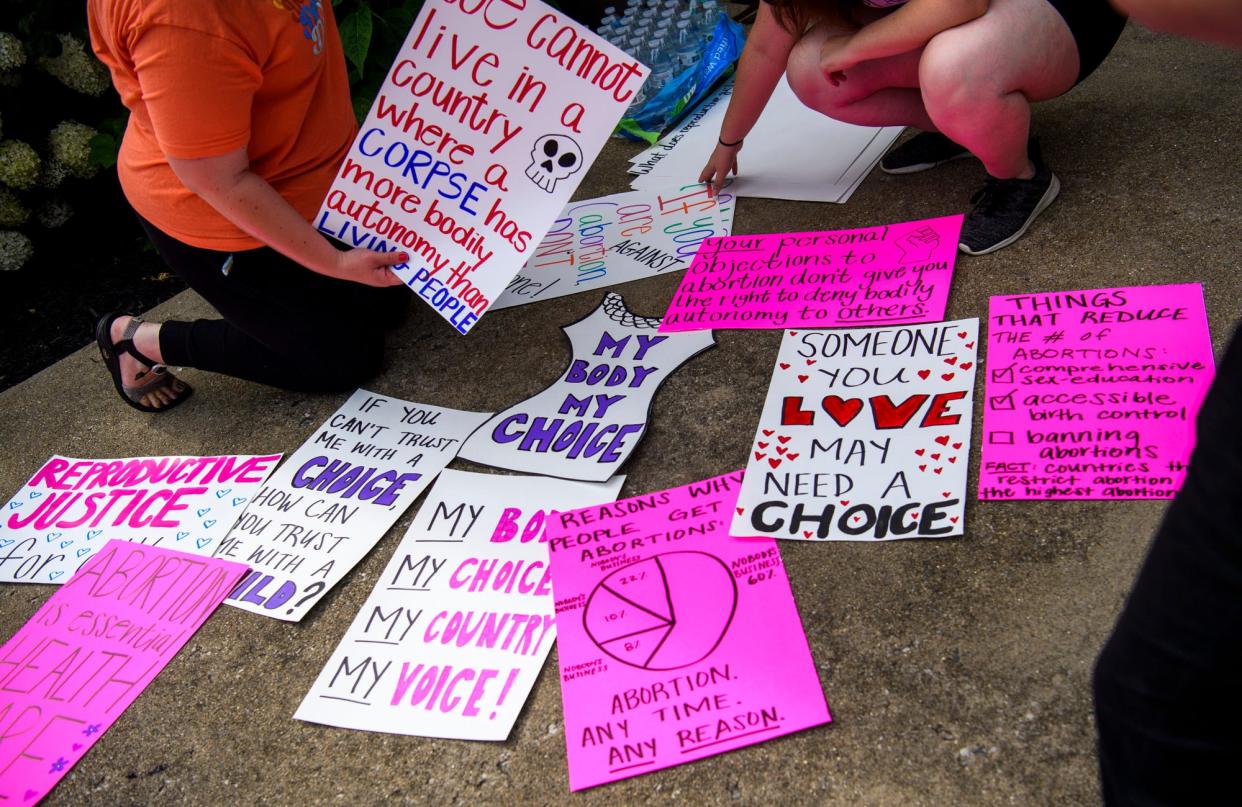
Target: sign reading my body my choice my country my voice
(480,133)
(90,650)
(1093,394)
(457,629)
(336,496)
(676,642)
(71,507)
(865,435)
(895,273)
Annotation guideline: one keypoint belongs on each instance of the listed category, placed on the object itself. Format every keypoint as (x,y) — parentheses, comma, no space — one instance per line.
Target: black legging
(1167,700)
(283,325)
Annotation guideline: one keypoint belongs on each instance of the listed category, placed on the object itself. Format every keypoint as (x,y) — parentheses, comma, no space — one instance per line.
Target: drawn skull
(553,158)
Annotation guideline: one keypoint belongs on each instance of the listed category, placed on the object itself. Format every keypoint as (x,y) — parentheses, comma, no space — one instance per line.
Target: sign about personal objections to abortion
(896,273)
(90,650)
(70,508)
(1093,394)
(676,641)
(335,497)
(481,131)
(455,633)
(864,436)
(619,238)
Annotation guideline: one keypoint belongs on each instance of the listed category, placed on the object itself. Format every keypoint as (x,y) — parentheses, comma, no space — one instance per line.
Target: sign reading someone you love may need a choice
(479,135)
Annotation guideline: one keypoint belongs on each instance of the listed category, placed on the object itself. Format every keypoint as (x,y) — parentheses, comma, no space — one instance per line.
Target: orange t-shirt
(202,78)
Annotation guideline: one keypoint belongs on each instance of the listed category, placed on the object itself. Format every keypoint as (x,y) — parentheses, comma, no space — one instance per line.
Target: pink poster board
(89,651)
(894,273)
(676,642)
(1093,394)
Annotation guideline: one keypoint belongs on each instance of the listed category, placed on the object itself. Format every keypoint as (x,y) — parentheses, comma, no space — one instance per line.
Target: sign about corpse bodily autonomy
(336,496)
(481,131)
(676,642)
(896,273)
(455,633)
(616,239)
(71,507)
(589,421)
(1093,394)
(90,650)
(864,436)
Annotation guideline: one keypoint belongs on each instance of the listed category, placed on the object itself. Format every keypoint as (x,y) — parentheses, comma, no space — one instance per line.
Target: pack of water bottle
(688,44)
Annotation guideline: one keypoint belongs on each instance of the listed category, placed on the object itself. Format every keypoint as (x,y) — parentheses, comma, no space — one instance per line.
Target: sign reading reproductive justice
(676,642)
(482,130)
(336,496)
(90,650)
(455,633)
(1093,394)
(70,508)
(897,273)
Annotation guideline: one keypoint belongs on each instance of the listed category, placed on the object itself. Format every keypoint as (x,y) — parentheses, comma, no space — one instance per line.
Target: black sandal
(156,377)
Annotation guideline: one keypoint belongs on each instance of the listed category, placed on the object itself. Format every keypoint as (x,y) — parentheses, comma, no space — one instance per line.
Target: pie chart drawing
(662,613)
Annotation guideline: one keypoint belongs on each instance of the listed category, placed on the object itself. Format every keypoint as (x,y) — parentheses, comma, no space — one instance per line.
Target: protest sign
(588,422)
(336,496)
(458,627)
(616,239)
(90,650)
(676,641)
(864,436)
(481,131)
(71,507)
(846,278)
(1093,394)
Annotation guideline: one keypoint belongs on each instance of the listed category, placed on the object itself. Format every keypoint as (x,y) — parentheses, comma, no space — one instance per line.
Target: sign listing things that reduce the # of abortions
(71,507)
(676,642)
(481,131)
(90,650)
(335,497)
(864,436)
(458,626)
(1093,394)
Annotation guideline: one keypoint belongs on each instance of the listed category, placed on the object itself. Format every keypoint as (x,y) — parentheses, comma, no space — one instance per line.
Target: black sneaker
(924,150)
(1004,208)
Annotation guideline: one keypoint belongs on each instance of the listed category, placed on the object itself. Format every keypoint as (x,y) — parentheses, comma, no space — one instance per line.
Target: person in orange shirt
(239,119)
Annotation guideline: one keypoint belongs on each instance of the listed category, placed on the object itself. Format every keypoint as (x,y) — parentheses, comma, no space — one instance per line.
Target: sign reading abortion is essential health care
(481,131)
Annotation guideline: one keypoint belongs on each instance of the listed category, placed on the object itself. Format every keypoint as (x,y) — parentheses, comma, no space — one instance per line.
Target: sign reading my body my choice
(477,138)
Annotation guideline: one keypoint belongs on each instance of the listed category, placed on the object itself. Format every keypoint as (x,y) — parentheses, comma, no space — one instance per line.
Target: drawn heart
(946,493)
(5,542)
(923,374)
(759,455)
(36,494)
(943,440)
(762,445)
(920,451)
(202,542)
(937,470)
(793,333)
(64,544)
(739,510)
(15,505)
(774,462)
(810,362)
(83,551)
(182,535)
(951,360)
(961,334)
(220,494)
(952,459)
(935,456)
(807,533)
(203,511)
(767,432)
(77,746)
(970,344)
(781,449)
(802,379)
(784,365)
(845,502)
(30,794)
(209,523)
(957,445)
(791,456)
(92,534)
(52,536)
(857,517)
(953,519)
(922,467)
(239,500)
(784,438)
(966,365)
(916,516)
(55,575)
(842,410)
(947,376)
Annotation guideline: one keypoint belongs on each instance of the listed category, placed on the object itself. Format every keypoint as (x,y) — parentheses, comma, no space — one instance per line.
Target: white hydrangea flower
(77,69)
(12,52)
(54,213)
(54,172)
(13,213)
(19,165)
(15,250)
(70,145)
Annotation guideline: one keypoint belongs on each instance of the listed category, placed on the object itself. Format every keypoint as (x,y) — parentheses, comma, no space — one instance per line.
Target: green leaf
(356,36)
(104,148)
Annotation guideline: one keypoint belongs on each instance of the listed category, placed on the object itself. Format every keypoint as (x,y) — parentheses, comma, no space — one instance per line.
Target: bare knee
(956,76)
(809,83)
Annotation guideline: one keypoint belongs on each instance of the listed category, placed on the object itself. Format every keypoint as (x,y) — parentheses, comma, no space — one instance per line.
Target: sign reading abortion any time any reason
(895,273)
(616,239)
(676,641)
(455,633)
(90,650)
(588,422)
(1093,394)
(480,133)
(336,496)
(70,508)
(864,436)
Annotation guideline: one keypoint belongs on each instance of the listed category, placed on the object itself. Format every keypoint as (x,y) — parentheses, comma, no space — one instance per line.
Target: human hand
(722,161)
(368,267)
(835,58)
